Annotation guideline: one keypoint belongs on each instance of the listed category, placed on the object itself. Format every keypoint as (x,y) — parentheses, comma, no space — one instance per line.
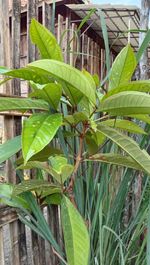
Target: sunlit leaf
(127,103)
(51,93)
(125,125)
(66,73)
(37,132)
(123,67)
(128,145)
(45,41)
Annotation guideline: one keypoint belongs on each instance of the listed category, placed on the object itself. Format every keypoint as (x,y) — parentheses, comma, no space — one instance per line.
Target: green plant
(82,135)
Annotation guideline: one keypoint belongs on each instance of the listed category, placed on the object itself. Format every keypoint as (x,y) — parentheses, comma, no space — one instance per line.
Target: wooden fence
(18,245)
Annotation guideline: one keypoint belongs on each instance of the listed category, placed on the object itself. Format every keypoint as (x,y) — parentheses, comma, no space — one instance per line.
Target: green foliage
(9,148)
(37,132)
(75,234)
(45,41)
(78,136)
(123,67)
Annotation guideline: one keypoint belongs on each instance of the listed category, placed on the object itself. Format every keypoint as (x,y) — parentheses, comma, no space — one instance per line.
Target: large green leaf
(123,67)
(45,41)
(38,76)
(116,159)
(22,104)
(38,131)
(51,93)
(124,125)
(35,185)
(76,236)
(9,148)
(141,86)
(127,103)
(6,191)
(66,73)
(43,155)
(128,145)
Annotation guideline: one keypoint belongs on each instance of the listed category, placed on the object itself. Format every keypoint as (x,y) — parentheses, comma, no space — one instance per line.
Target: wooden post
(2,259)
(144,23)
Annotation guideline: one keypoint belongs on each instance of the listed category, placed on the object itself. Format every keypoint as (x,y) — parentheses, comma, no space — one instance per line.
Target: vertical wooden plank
(88,55)
(59,28)
(32,12)
(46,15)
(66,40)
(2,259)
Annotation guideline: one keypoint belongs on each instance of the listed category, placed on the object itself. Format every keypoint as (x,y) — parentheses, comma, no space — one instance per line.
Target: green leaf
(76,236)
(124,125)
(53,199)
(116,159)
(9,148)
(66,73)
(38,76)
(35,185)
(142,117)
(143,46)
(141,86)
(37,132)
(127,103)
(129,146)
(22,104)
(123,67)
(43,155)
(51,93)
(63,169)
(105,37)
(45,41)
(90,78)
(73,94)
(6,197)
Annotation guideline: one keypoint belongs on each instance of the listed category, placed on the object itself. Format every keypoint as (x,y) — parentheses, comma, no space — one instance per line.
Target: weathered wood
(46,15)
(144,24)
(32,12)
(2,259)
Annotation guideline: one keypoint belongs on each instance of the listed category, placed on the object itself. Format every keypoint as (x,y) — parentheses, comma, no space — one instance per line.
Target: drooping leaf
(6,191)
(35,185)
(76,236)
(116,159)
(122,68)
(45,41)
(72,93)
(66,73)
(37,132)
(9,148)
(124,125)
(142,117)
(141,86)
(38,76)
(86,107)
(22,104)
(127,103)
(128,145)
(42,156)
(51,93)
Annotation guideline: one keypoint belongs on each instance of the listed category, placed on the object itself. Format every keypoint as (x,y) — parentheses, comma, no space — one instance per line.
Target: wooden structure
(85,52)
